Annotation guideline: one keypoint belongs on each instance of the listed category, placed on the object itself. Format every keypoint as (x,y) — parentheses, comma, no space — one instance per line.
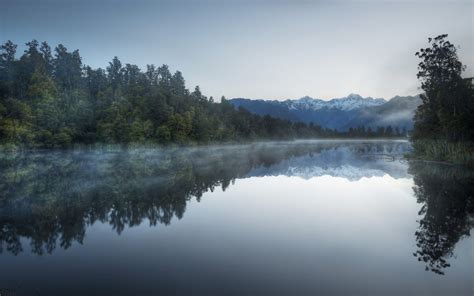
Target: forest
(50,98)
(444,122)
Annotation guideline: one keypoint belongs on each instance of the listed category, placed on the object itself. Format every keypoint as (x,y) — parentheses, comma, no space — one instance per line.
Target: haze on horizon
(254,49)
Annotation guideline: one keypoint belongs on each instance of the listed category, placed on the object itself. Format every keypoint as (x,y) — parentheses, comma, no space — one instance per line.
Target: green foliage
(53,100)
(444,125)
(448,103)
(442,150)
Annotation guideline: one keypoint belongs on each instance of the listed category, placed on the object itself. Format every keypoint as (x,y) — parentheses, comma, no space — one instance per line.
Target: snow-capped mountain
(351,102)
(339,113)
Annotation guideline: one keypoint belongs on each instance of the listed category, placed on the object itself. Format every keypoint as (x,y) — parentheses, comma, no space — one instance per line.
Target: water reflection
(446,194)
(51,198)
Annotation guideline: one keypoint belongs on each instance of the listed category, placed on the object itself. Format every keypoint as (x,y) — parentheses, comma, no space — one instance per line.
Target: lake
(275,218)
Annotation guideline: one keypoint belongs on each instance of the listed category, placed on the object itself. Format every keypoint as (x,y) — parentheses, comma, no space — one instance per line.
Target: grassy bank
(439,150)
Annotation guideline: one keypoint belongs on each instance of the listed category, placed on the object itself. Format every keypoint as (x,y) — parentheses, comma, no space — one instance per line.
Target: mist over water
(263,218)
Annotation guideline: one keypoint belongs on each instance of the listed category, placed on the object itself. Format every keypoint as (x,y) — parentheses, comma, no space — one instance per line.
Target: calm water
(297,218)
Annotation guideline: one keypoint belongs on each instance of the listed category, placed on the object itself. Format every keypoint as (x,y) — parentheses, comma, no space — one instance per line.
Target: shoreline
(14,148)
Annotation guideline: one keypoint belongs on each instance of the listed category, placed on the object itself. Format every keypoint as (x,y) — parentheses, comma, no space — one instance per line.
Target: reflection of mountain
(350,162)
(447,197)
(52,197)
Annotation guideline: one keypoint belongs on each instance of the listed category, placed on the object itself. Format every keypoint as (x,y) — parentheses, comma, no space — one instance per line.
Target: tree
(116,126)
(45,50)
(178,87)
(7,59)
(16,122)
(196,94)
(164,78)
(151,74)
(56,101)
(115,73)
(67,68)
(446,100)
(42,94)
(96,82)
(8,53)
(26,66)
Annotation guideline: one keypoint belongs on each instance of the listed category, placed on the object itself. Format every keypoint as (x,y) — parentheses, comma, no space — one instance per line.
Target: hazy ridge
(339,113)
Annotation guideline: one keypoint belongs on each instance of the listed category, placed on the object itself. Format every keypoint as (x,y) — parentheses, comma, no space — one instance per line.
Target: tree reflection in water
(51,198)
(446,194)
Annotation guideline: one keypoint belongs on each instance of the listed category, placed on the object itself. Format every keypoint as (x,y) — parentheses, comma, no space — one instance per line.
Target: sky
(257,49)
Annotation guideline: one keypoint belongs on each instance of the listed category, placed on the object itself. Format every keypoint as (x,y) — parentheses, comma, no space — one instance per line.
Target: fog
(316,208)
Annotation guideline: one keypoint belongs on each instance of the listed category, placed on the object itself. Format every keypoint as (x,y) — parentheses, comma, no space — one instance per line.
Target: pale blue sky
(256,49)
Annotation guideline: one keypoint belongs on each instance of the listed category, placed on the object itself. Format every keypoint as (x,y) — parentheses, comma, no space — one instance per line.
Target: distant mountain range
(339,113)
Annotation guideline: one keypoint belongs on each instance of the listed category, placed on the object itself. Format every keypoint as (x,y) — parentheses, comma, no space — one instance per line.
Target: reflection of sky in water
(337,163)
(347,160)
(336,222)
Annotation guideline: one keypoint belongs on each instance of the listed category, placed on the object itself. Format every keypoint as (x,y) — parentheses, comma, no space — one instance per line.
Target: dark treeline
(444,122)
(49,98)
(380,131)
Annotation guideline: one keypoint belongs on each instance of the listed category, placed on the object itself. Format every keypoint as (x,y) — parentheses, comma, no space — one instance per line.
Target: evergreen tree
(56,101)
(446,109)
